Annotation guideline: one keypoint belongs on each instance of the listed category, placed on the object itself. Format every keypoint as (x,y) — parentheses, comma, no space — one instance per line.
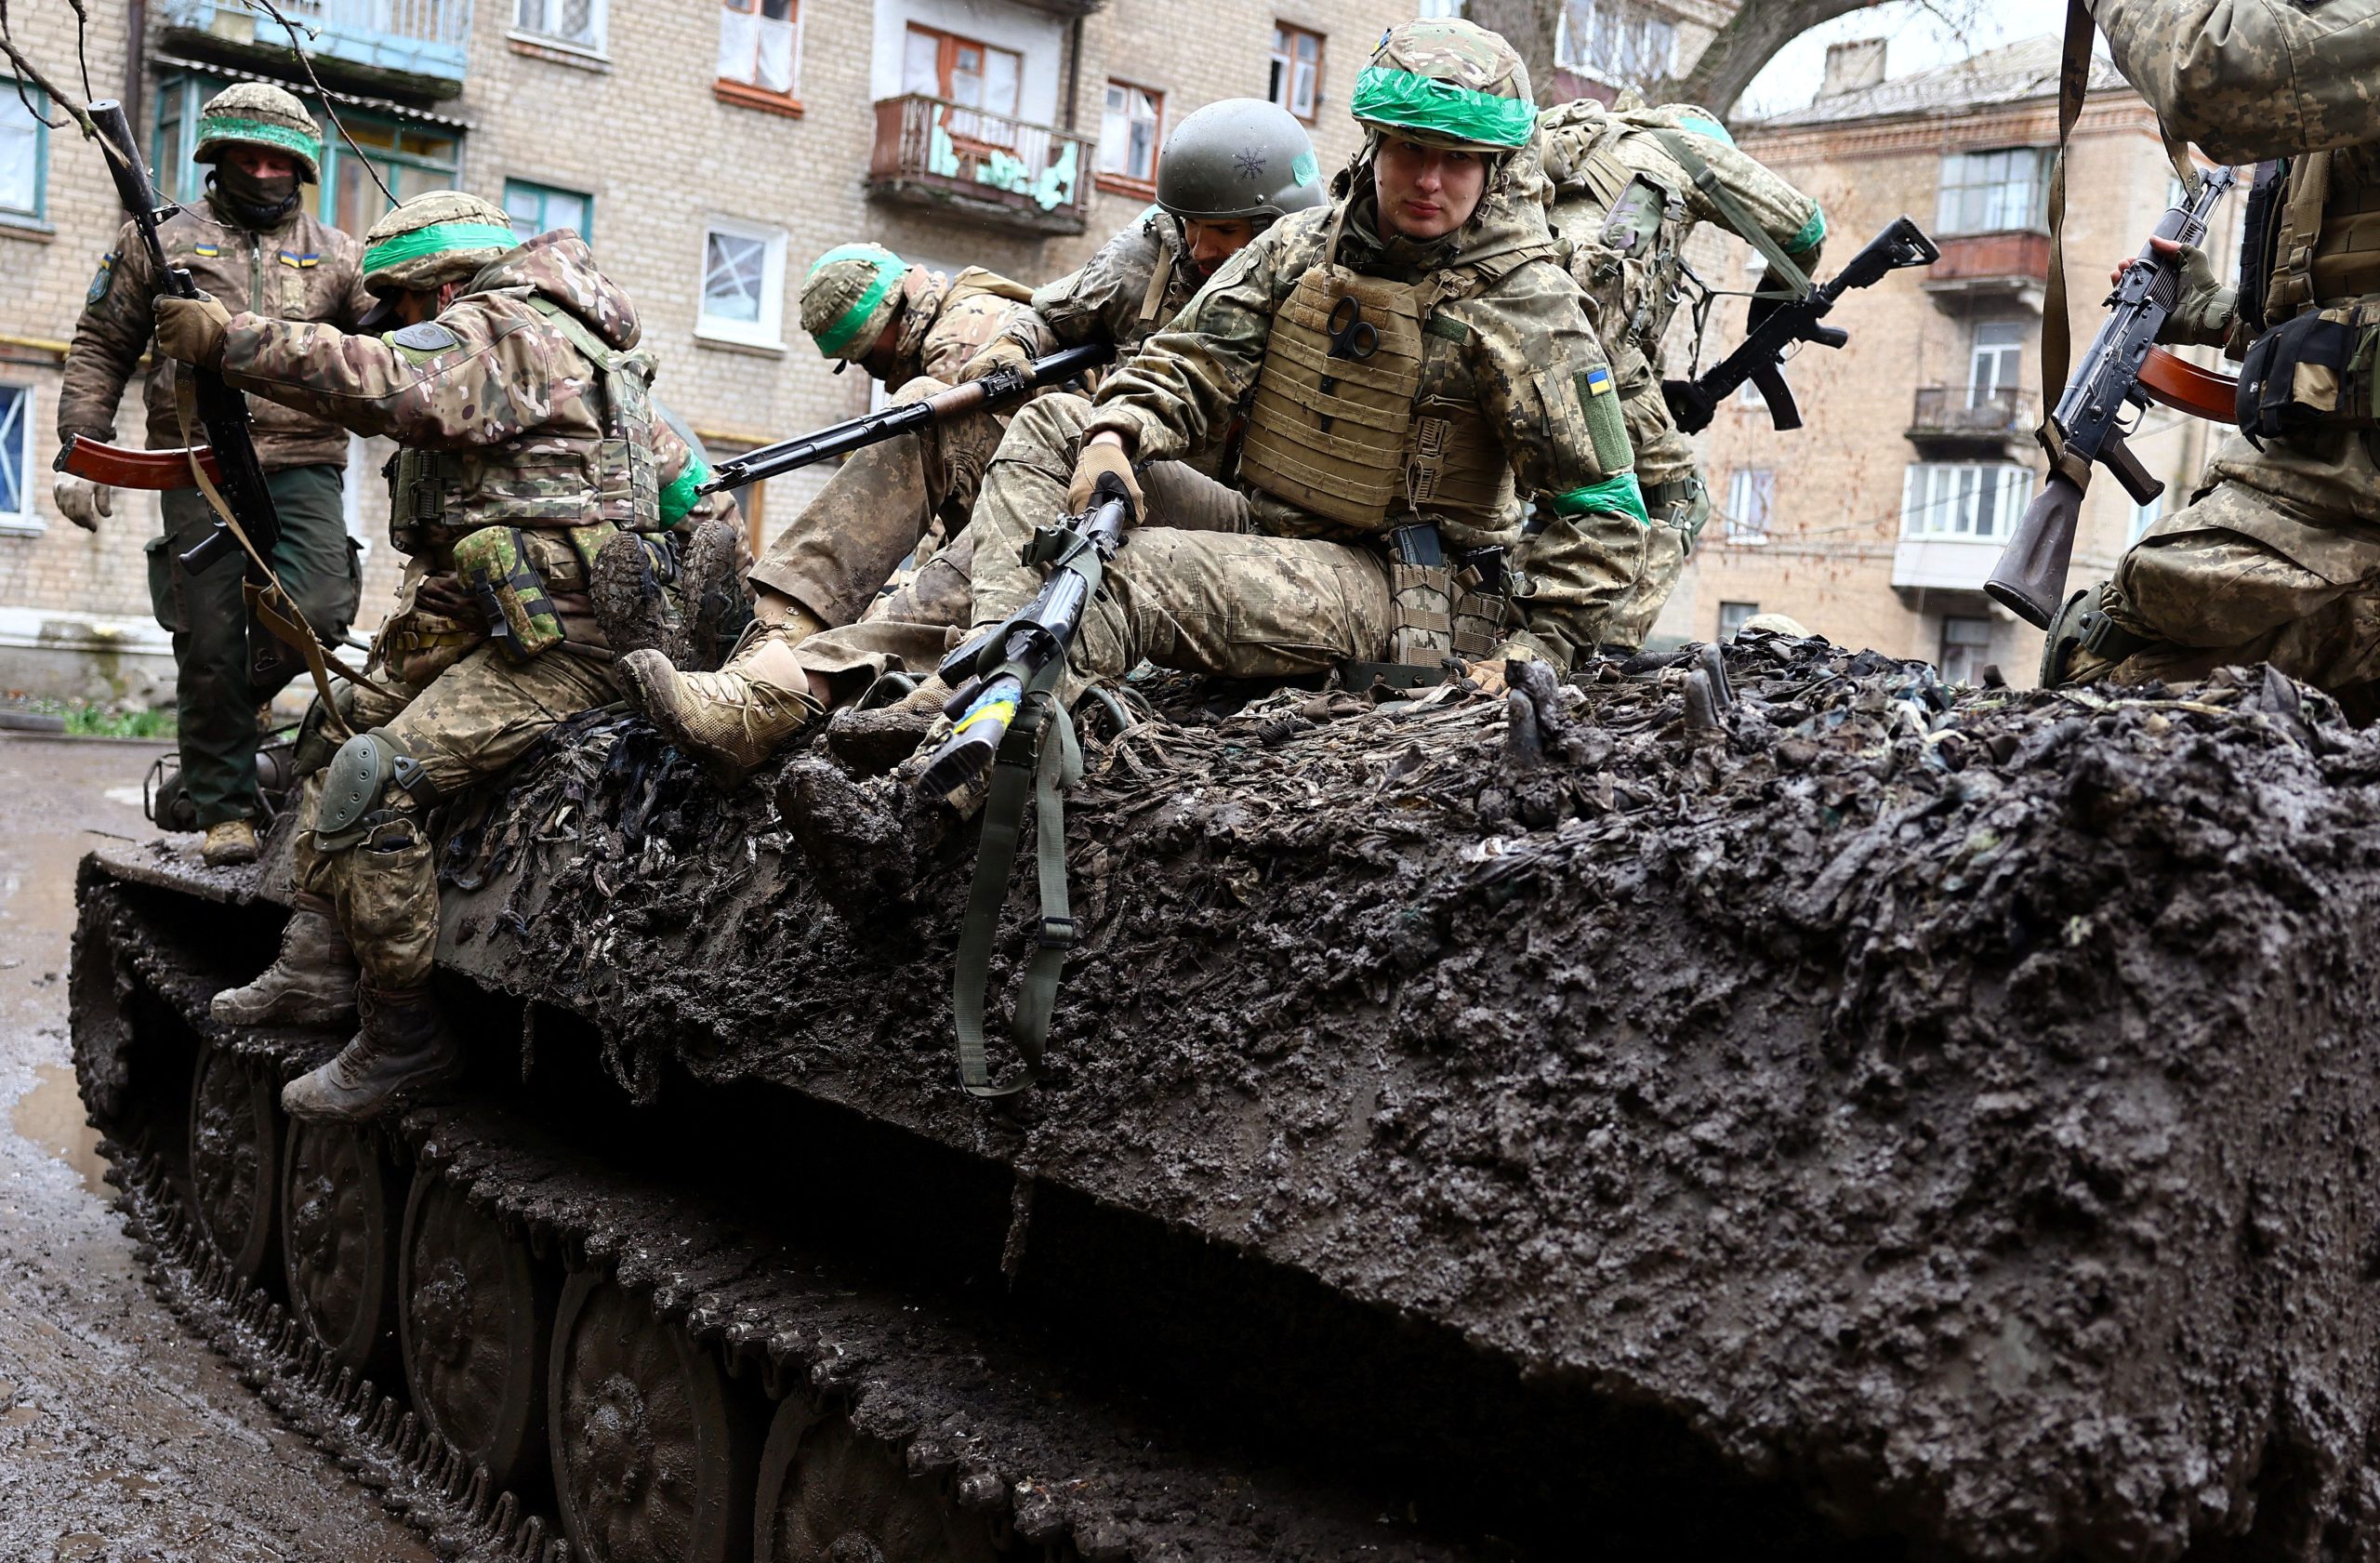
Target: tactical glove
(1098,459)
(2204,309)
(82,501)
(192,329)
(1001,354)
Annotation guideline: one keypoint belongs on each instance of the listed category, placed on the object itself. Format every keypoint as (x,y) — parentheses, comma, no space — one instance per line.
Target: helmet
(1239,157)
(432,240)
(1446,83)
(260,114)
(851,292)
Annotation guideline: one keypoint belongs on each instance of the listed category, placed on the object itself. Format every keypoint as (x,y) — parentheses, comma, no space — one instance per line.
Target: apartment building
(708,149)
(1877,523)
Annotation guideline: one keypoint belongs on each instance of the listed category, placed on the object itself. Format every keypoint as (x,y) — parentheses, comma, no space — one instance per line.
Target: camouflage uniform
(2277,558)
(1599,162)
(527,442)
(1505,378)
(293,268)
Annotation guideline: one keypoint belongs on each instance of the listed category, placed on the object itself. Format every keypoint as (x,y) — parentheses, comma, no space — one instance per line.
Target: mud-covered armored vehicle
(1763,1108)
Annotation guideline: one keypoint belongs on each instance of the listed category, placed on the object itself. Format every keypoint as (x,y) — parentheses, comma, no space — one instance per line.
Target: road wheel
(236,1160)
(477,1321)
(340,1206)
(654,1451)
(830,1494)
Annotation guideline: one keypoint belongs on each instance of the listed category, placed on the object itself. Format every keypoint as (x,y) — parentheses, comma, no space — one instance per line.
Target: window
(1963,500)
(575,25)
(1997,360)
(971,74)
(1618,41)
(759,46)
(1992,191)
(1734,616)
(411,158)
(17,460)
(1297,70)
(2145,516)
(1966,647)
(537,208)
(25,144)
(1428,8)
(1130,129)
(743,283)
(1752,495)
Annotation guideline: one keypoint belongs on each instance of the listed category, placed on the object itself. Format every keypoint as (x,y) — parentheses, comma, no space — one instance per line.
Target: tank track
(949,1393)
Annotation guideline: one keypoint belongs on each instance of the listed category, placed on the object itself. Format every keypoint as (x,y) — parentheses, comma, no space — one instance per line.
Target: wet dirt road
(122,1439)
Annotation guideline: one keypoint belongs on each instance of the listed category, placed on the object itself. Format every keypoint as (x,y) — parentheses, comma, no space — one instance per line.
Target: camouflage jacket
(950,320)
(1104,300)
(2253,79)
(495,380)
(301,270)
(1519,348)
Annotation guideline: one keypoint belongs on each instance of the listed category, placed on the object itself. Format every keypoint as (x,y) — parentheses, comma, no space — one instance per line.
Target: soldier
(1629,193)
(521,407)
(252,244)
(1226,173)
(2275,558)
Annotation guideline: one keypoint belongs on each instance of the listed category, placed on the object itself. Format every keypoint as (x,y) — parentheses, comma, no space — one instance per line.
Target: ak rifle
(1006,384)
(1761,357)
(2124,371)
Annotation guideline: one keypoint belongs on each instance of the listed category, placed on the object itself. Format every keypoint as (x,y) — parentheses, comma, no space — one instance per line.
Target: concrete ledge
(67,656)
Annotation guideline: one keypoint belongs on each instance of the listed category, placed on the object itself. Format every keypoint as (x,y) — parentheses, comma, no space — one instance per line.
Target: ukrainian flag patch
(290,257)
(1599,382)
(208,251)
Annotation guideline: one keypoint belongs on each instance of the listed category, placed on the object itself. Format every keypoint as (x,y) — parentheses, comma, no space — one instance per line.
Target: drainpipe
(136,51)
(1074,66)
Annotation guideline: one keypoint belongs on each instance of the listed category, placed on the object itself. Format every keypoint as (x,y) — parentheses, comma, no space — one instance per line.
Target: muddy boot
(873,738)
(230,841)
(311,982)
(404,1049)
(2085,642)
(631,599)
(717,598)
(731,721)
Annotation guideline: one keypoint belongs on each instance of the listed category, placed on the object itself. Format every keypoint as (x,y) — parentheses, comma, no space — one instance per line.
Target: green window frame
(11,104)
(412,156)
(537,208)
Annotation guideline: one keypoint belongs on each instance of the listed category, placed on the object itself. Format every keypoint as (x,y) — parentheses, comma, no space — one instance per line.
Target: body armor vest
(2327,246)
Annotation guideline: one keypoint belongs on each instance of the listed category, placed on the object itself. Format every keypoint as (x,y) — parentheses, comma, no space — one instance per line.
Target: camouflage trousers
(1663,456)
(1202,597)
(837,554)
(470,722)
(2277,560)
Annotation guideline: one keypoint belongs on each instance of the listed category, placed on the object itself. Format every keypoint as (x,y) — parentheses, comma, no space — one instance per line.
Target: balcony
(1945,563)
(1952,416)
(414,47)
(945,157)
(1995,266)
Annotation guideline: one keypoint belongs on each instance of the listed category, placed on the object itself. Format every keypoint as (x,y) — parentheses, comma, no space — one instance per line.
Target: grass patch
(99,719)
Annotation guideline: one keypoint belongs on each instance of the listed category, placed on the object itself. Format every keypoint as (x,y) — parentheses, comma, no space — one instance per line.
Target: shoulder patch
(425,337)
(1444,325)
(101,280)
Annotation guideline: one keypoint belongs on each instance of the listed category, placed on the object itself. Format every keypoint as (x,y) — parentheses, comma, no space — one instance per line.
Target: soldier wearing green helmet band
(252,243)
(531,466)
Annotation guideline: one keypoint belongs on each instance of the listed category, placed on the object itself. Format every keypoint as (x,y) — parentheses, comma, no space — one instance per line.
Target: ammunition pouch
(494,565)
(2312,372)
(1442,607)
(417,644)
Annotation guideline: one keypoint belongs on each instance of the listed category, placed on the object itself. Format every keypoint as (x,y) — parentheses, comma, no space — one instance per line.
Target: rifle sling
(1039,763)
(1780,263)
(271,602)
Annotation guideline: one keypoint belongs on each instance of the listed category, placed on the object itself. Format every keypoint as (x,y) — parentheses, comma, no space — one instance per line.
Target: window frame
(1636,63)
(751,94)
(947,47)
(2006,377)
(599,14)
(1993,192)
(1739,528)
(1282,67)
(768,332)
(26,520)
(1936,516)
(1727,609)
(37,217)
(1980,652)
(545,192)
(1125,183)
(336,154)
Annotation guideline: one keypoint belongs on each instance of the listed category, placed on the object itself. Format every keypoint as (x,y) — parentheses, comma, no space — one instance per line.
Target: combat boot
(731,721)
(631,601)
(2085,643)
(230,843)
(311,982)
(403,1049)
(717,597)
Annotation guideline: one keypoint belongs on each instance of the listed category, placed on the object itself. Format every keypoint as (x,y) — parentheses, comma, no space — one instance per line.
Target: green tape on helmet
(1401,100)
(439,238)
(890,270)
(231,127)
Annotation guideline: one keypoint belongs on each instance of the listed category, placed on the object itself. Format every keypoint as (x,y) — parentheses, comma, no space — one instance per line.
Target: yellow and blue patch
(208,252)
(291,258)
(101,280)
(1599,383)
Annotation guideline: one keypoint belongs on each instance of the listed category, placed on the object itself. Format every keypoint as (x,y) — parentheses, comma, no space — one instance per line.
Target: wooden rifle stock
(2030,580)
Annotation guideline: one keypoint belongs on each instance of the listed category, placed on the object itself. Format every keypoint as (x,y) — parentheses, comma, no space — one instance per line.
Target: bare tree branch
(26,71)
(1743,49)
(1528,26)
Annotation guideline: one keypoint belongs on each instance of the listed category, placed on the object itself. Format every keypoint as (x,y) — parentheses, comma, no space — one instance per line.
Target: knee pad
(356,798)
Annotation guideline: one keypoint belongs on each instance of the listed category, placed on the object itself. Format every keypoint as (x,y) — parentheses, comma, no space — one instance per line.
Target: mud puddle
(51,1116)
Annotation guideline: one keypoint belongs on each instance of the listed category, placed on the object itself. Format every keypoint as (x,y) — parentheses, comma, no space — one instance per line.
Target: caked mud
(1770,1104)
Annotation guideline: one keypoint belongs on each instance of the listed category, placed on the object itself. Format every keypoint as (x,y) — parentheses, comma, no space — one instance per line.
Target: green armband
(1811,232)
(1619,494)
(680,497)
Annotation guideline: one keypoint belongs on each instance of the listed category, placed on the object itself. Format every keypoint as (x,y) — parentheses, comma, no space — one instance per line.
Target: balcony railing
(933,152)
(425,39)
(1954,412)
(1971,264)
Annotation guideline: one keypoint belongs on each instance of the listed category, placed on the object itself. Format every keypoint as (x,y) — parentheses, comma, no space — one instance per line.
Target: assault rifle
(230,453)
(1006,384)
(2124,370)
(1761,357)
